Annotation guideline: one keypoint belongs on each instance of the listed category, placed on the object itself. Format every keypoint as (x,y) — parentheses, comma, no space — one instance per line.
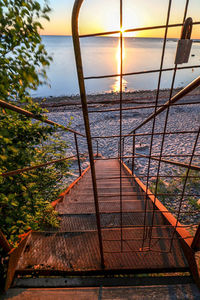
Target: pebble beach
(137,106)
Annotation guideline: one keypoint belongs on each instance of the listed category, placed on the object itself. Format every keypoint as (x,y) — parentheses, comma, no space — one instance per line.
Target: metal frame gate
(140,235)
(189,244)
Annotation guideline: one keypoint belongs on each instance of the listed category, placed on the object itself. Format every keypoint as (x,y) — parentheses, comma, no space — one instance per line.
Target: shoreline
(136,97)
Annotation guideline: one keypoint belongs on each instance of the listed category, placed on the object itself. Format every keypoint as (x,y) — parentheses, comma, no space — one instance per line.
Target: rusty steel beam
(145,176)
(120,121)
(133,153)
(15,254)
(159,194)
(15,172)
(67,191)
(141,107)
(168,216)
(77,51)
(190,87)
(140,72)
(134,29)
(145,134)
(77,151)
(36,117)
(176,163)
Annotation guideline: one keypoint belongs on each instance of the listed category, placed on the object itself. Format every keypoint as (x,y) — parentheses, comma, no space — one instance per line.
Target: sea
(101,56)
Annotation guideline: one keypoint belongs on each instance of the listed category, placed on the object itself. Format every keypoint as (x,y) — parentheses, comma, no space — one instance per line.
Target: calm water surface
(101,56)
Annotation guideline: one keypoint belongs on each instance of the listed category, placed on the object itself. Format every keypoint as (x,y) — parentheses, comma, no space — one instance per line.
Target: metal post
(133,152)
(77,151)
(97,148)
(122,149)
(118,149)
(120,117)
(77,51)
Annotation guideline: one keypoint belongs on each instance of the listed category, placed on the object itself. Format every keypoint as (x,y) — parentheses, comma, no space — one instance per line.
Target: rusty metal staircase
(74,248)
(111,223)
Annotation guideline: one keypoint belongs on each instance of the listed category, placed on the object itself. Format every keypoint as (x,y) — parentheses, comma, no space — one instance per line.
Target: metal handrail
(27,113)
(78,156)
(190,87)
(176,163)
(19,171)
(145,134)
(141,107)
(172,162)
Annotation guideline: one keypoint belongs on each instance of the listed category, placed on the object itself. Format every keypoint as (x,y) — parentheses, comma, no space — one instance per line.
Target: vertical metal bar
(119,149)
(163,136)
(154,119)
(186,9)
(120,116)
(133,153)
(122,148)
(77,50)
(77,151)
(97,148)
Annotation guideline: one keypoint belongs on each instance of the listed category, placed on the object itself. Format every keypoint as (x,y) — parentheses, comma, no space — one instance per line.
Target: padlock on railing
(185,43)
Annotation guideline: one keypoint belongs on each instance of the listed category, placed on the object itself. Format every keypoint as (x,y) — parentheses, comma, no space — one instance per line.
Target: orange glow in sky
(101,16)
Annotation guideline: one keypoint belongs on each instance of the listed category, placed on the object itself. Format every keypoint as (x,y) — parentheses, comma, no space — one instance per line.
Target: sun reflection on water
(116,85)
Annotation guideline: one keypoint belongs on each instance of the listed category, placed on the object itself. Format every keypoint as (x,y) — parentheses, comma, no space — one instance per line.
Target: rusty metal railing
(134,134)
(29,114)
(9,106)
(75,34)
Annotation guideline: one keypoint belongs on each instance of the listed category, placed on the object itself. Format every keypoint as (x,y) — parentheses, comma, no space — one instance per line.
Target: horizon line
(106,36)
(140,37)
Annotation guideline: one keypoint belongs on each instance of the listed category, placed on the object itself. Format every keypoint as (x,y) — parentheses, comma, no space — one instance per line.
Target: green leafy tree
(22,55)
(25,198)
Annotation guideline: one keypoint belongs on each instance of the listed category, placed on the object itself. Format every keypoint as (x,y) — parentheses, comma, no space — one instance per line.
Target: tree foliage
(22,55)
(25,198)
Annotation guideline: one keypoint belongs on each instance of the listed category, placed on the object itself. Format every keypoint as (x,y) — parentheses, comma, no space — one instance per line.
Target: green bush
(25,198)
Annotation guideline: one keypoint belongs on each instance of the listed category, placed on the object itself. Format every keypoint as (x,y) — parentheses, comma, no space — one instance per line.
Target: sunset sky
(97,16)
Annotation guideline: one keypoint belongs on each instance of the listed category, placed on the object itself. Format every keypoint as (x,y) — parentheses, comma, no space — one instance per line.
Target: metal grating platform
(75,247)
(79,252)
